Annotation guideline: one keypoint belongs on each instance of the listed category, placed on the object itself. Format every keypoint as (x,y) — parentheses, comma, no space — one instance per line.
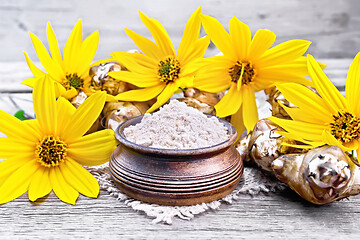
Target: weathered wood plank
(332,26)
(279,216)
(12,74)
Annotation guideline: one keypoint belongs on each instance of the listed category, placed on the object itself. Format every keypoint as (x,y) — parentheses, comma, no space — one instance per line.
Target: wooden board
(273,216)
(332,26)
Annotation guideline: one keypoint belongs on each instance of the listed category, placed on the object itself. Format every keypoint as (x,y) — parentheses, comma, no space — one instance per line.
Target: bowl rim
(119,134)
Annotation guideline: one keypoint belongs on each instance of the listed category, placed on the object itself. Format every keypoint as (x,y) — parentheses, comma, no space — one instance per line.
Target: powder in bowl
(177,126)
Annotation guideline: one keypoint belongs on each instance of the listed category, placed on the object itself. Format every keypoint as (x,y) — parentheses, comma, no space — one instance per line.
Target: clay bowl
(176,176)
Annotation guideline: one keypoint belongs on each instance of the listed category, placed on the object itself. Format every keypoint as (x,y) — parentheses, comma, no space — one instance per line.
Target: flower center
(73,80)
(345,127)
(242,71)
(169,70)
(51,151)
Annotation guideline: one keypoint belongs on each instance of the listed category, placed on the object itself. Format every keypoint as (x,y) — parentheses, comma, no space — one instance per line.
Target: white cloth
(252,182)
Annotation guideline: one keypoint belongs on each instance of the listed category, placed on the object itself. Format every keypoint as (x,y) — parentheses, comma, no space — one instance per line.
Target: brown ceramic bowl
(176,176)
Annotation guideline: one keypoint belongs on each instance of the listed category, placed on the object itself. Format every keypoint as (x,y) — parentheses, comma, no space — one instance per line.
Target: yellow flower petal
(353,85)
(190,69)
(29,82)
(230,103)
(72,49)
(331,140)
(141,95)
(237,122)
(14,128)
(18,182)
(110,98)
(307,131)
(250,112)
(87,53)
(164,96)
(353,145)
(65,110)
(184,82)
(136,62)
(80,179)
(214,75)
(307,100)
(280,75)
(240,36)
(53,45)
(218,35)
(262,41)
(297,66)
(301,114)
(53,69)
(61,188)
(190,35)
(284,53)
(323,85)
(45,104)
(60,90)
(34,69)
(196,52)
(40,184)
(299,139)
(69,94)
(14,146)
(297,146)
(13,163)
(93,149)
(160,35)
(262,84)
(101,61)
(34,125)
(219,62)
(84,117)
(146,46)
(136,79)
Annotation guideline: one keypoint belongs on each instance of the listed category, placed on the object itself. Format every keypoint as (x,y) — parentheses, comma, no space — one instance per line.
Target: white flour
(177,126)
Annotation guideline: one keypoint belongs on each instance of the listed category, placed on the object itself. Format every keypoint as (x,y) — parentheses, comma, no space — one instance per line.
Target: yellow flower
(326,119)
(247,66)
(160,71)
(45,154)
(71,71)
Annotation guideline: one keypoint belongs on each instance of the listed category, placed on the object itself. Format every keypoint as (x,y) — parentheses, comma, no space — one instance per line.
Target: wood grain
(332,26)
(279,216)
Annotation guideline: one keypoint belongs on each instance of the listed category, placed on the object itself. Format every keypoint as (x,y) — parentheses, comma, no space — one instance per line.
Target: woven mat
(252,182)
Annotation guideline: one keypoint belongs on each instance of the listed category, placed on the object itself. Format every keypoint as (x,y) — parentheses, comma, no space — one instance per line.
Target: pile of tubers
(320,175)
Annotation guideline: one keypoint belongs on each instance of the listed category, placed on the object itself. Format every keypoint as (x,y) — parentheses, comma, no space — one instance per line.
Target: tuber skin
(321,175)
(263,144)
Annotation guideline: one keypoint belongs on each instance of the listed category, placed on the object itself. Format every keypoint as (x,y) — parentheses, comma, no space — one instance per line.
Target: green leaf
(20,115)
